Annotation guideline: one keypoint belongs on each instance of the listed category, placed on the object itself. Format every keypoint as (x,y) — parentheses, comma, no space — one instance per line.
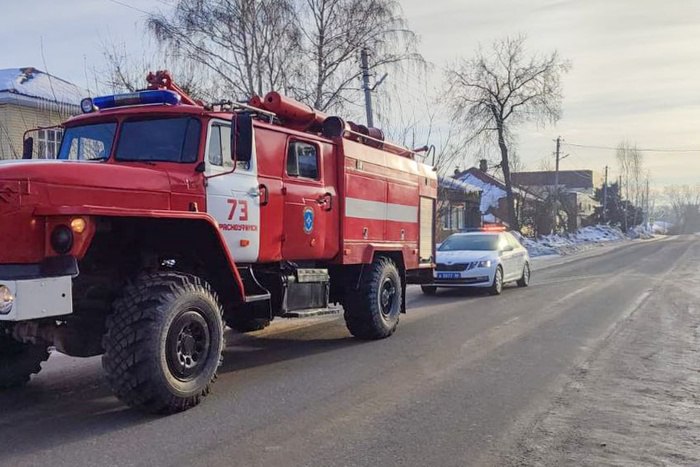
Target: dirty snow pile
(583,239)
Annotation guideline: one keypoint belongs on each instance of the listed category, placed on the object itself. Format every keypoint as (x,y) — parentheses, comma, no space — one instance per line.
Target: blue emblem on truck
(308,220)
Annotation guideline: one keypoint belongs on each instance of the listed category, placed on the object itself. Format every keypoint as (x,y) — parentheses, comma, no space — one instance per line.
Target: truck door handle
(264,194)
(325,201)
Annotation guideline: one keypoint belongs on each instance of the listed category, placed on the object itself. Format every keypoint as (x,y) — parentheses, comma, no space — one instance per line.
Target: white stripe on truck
(380,211)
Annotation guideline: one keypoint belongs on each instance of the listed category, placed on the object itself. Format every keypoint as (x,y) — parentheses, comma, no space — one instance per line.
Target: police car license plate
(448,275)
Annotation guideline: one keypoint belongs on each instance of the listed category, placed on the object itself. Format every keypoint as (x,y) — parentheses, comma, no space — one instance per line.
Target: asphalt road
(457,384)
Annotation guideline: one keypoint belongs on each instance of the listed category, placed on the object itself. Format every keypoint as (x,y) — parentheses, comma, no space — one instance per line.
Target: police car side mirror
(242,137)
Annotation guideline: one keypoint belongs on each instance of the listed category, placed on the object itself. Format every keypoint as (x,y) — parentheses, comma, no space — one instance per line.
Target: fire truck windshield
(159,140)
(88,142)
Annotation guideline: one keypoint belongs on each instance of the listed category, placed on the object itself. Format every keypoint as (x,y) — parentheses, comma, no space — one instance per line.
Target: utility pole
(556,169)
(365,86)
(647,204)
(605,194)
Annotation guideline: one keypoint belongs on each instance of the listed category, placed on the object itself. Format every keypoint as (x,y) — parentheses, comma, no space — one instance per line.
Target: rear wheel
(18,361)
(524,281)
(373,311)
(497,284)
(164,342)
(428,289)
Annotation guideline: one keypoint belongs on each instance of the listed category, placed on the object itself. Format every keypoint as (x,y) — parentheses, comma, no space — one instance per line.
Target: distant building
(576,188)
(29,99)
(493,205)
(458,206)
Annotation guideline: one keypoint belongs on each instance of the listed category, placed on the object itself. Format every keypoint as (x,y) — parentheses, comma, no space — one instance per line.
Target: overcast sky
(635,76)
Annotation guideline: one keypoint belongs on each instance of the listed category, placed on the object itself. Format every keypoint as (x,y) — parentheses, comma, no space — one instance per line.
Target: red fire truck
(163,219)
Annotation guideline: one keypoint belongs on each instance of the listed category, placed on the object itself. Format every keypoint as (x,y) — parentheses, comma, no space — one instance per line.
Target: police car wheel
(373,311)
(18,361)
(497,285)
(428,289)
(164,342)
(524,281)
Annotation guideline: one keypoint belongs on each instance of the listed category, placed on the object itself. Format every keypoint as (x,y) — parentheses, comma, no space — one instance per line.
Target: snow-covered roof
(490,193)
(454,184)
(33,83)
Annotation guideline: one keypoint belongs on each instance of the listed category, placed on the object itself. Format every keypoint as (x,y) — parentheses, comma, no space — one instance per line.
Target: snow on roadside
(584,239)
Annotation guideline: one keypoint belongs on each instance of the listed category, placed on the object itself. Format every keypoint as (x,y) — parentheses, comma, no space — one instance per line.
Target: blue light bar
(136,98)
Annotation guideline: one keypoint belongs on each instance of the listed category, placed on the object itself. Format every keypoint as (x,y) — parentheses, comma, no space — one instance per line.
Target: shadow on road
(78,405)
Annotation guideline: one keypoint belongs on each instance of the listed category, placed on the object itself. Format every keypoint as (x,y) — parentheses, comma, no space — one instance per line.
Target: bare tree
(685,204)
(334,33)
(306,48)
(126,72)
(496,90)
(631,165)
(251,46)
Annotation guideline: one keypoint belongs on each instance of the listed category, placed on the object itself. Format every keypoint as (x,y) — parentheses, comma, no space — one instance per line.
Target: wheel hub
(188,345)
(387,296)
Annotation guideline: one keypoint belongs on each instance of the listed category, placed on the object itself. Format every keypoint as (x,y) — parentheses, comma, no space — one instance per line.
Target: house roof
(454,184)
(36,84)
(568,178)
(492,189)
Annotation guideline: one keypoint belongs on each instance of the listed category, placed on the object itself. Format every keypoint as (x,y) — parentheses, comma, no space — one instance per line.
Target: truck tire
(164,342)
(18,361)
(373,311)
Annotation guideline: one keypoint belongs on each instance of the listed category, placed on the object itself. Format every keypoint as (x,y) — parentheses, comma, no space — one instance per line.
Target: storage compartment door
(427,229)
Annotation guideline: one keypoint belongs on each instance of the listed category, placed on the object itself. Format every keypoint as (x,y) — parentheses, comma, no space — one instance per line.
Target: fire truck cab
(163,219)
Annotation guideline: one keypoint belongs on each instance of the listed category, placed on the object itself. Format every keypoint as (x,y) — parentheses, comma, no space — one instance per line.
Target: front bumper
(39,298)
(478,277)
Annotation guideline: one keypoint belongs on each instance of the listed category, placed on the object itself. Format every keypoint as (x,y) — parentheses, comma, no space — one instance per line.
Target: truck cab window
(159,140)
(302,160)
(219,153)
(88,142)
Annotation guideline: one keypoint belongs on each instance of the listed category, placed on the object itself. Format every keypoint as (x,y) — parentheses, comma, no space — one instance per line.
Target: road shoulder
(634,401)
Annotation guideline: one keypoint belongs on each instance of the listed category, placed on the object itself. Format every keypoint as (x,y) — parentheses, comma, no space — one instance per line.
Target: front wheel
(373,311)
(497,284)
(428,289)
(18,361)
(524,281)
(164,342)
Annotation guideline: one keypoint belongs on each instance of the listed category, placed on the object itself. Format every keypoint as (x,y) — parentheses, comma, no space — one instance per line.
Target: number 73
(242,204)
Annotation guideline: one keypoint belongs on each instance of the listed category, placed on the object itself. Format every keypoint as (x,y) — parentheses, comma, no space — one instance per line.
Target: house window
(447,219)
(458,222)
(48,143)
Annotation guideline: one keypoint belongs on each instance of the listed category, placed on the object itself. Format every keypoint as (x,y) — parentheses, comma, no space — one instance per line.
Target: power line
(118,2)
(591,146)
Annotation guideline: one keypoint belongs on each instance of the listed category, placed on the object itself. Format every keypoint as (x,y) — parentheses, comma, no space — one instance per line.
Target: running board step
(311,312)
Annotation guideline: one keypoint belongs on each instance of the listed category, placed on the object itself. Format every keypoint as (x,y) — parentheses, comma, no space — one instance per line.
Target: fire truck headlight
(6,299)
(62,239)
(78,225)
(86,105)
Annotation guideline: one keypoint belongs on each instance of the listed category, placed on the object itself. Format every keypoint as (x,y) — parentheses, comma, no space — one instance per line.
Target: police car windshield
(87,142)
(471,242)
(159,140)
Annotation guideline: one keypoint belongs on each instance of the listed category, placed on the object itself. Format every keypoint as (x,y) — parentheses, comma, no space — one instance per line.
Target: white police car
(485,258)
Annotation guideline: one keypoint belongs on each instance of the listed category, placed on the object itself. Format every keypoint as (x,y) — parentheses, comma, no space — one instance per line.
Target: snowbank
(583,239)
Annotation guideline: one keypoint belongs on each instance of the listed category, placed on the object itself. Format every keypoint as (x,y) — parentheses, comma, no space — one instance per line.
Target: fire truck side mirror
(28,148)
(242,137)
